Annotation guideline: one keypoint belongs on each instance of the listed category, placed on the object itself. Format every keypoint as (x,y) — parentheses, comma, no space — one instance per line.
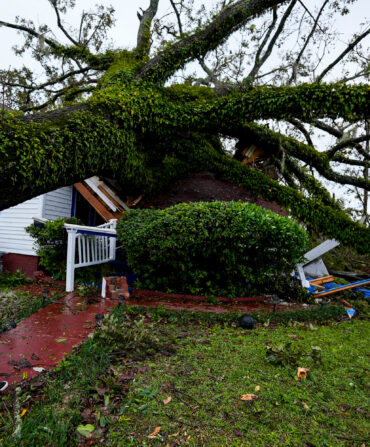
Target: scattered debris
(167,400)
(155,432)
(20,364)
(349,309)
(85,430)
(302,373)
(293,336)
(249,397)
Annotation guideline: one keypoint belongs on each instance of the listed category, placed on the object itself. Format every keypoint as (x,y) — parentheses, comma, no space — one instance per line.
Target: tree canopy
(124,114)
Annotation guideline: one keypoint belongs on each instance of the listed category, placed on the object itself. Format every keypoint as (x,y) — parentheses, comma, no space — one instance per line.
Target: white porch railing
(95,245)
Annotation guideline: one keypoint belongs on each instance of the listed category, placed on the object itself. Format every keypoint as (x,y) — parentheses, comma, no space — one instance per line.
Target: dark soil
(36,288)
(204,187)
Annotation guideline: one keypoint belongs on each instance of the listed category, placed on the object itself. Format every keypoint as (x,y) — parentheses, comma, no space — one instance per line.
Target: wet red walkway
(44,338)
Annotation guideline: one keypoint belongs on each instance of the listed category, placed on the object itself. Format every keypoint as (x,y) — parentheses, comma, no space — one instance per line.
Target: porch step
(114,286)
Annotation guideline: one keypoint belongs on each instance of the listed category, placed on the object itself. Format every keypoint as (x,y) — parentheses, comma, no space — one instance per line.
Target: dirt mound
(204,187)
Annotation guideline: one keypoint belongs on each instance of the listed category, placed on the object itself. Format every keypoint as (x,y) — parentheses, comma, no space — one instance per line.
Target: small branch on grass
(17,413)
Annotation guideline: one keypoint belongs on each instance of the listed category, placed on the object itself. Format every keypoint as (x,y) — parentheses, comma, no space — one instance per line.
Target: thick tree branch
(348,142)
(198,44)
(57,95)
(143,35)
(365,153)
(178,17)
(313,186)
(300,54)
(57,80)
(329,129)
(260,60)
(272,142)
(349,48)
(60,25)
(303,130)
(281,103)
(257,60)
(349,161)
(54,45)
(72,52)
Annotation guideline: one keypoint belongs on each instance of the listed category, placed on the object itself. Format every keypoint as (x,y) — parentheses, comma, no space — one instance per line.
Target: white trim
(114,195)
(90,182)
(40,219)
(70,227)
(42,205)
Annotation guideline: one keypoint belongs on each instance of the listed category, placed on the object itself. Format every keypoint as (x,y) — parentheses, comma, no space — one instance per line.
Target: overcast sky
(124,33)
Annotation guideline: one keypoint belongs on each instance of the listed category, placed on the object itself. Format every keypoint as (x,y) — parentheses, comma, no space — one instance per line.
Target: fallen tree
(138,129)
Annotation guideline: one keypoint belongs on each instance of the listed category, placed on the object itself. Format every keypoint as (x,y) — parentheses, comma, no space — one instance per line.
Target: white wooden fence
(89,246)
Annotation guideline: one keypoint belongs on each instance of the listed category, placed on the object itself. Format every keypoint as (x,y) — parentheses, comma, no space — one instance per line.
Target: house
(93,201)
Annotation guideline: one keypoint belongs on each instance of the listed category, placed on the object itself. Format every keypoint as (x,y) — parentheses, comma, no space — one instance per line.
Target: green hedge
(217,249)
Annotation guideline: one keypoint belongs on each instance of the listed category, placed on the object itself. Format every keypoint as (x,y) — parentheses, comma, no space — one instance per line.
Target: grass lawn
(182,384)
(17,305)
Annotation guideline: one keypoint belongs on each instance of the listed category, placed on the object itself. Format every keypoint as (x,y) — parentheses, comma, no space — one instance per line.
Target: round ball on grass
(246,322)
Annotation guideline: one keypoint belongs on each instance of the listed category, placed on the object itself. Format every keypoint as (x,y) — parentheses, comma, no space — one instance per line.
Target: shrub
(15,279)
(217,248)
(51,244)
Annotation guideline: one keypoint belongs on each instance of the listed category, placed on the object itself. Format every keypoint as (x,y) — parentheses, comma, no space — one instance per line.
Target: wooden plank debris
(340,288)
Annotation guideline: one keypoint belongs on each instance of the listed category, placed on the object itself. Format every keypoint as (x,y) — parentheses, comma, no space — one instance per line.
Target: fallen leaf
(305,405)
(155,432)
(59,340)
(167,400)
(257,388)
(302,373)
(248,397)
(24,411)
(85,430)
(293,336)
(38,369)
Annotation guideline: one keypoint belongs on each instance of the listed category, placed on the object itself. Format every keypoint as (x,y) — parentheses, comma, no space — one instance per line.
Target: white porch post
(71,248)
(112,241)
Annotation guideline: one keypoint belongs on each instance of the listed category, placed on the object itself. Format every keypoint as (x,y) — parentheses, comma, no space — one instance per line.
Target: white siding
(13,221)
(13,238)
(58,203)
